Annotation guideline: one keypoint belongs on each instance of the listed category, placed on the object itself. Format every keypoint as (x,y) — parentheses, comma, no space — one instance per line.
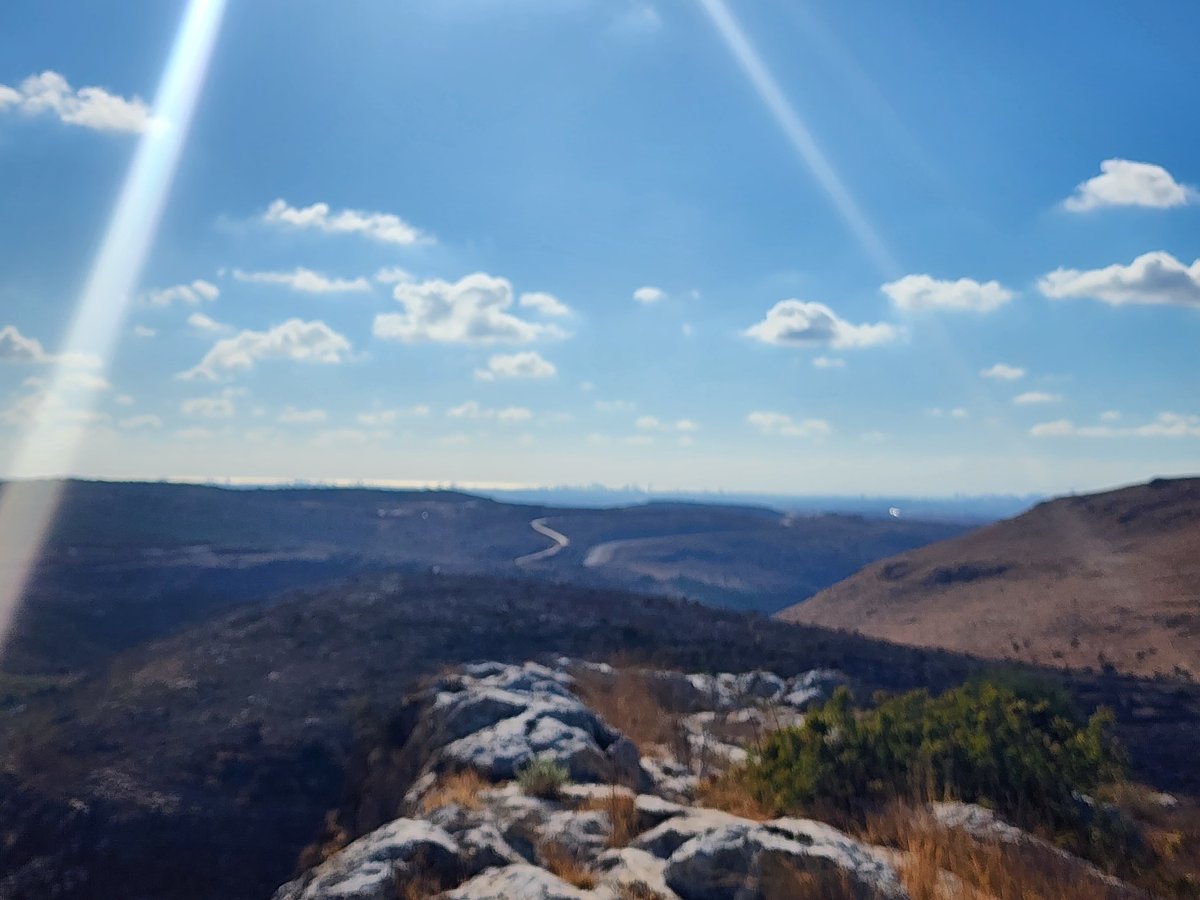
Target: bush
(1026,755)
(543,778)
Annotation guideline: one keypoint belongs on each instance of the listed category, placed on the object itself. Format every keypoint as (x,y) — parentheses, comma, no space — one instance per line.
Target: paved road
(560,541)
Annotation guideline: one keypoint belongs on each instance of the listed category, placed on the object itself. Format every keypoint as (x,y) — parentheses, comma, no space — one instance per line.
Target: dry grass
(990,869)
(627,701)
(417,887)
(1171,831)
(622,813)
(333,838)
(562,862)
(726,792)
(460,788)
(781,879)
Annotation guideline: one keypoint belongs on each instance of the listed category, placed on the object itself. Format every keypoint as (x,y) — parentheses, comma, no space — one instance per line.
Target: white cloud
(392,274)
(379,226)
(546,304)
(957,412)
(782,425)
(1152,278)
(305,280)
(649,294)
(1003,372)
(653,423)
(1165,424)
(923,292)
(293,416)
(614,405)
(88,107)
(201,322)
(17,348)
(801,323)
(1122,182)
(295,339)
(472,310)
(143,332)
(1032,398)
(215,406)
(528,364)
(146,420)
(1110,415)
(829,362)
(638,19)
(123,400)
(192,294)
(380,417)
(472,410)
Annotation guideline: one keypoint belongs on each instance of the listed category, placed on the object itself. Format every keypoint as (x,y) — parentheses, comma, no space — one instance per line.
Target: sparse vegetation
(1028,756)
(458,788)
(627,701)
(543,778)
(622,813)
(561,862)
(940,863)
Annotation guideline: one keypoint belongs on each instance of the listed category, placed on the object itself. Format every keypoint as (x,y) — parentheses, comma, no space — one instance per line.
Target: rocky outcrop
(498,842)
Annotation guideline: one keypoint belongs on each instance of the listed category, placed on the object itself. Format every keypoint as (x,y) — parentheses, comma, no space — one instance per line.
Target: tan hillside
(1078,581)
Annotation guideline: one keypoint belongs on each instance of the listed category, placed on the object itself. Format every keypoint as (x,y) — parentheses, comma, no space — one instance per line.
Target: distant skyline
(702,245)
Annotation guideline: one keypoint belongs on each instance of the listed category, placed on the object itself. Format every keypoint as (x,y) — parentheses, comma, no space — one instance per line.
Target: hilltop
(1099,581)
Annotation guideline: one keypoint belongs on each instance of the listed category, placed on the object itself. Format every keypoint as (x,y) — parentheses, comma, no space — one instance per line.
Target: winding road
(560,541)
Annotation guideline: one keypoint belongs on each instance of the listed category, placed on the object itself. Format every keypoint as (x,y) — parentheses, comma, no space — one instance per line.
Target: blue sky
(789,247)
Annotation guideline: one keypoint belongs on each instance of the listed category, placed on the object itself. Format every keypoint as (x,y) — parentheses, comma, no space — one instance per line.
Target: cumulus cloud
(472,310)
(529,364)
(143,331)
(295,339)
(829,362)
(221,405)
(777,424)
(146,420)
(305,280)
(1003,372)
(649,294)
(87,107)
(546,304)
(614,405)
(1155,278)
(801,323)
(653,423)
(507,414)
(192,294)
(1165,424)
(924,292)
(17,348)
(1033,398)
(379,417)
(293,416)
(958,412)
(392,274)
(1122,182)
(378,226)
(206,324)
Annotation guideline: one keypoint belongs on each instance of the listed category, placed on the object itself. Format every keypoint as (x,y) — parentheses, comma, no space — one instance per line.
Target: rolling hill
(1100,581)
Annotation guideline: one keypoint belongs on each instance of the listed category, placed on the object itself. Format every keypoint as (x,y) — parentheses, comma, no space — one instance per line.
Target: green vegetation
(543,778)
(1025,752)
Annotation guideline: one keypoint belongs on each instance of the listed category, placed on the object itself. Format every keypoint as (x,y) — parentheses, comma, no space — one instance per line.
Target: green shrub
(543,777)
(1028,756)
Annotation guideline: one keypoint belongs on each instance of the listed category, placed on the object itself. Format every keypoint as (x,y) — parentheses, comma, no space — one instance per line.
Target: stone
(734,859)
(629,867)
(665,839)
(365,869)
(518,881)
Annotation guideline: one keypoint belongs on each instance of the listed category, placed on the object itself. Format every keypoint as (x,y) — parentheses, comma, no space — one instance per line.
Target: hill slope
(1088,581)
